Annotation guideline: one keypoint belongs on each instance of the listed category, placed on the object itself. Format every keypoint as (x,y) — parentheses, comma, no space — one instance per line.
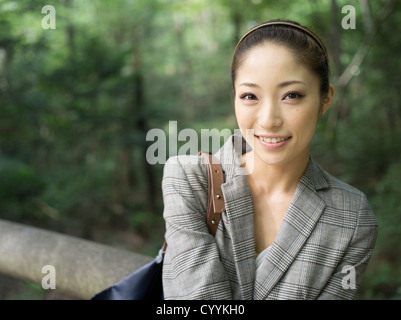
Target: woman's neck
(270,179)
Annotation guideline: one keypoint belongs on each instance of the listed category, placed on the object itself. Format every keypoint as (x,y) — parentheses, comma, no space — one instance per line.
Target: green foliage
(76,104)
(19,188)
(384,278)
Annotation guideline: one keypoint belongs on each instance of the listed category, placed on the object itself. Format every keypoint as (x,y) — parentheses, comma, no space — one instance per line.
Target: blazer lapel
(239,215)
(300,220)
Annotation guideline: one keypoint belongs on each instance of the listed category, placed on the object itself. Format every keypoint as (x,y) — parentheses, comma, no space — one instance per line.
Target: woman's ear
(327,101)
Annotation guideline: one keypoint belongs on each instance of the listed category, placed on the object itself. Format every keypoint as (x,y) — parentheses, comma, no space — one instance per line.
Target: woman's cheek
(305,124)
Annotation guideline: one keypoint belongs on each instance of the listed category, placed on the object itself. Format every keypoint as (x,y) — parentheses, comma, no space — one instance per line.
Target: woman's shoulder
(324,180)
(335,183)
(185,163)
(185,178)
(343,197)
(189,170)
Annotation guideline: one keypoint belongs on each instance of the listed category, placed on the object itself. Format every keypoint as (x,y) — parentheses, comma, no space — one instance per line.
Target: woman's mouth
(273,143)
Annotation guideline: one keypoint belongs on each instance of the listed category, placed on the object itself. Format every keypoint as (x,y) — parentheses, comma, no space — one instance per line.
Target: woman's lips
(273,142)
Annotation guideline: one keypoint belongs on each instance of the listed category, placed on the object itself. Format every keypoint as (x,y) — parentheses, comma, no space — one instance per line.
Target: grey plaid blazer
(328,226)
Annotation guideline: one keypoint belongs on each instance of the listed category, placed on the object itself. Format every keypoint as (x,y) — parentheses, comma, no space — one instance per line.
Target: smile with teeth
(273,140)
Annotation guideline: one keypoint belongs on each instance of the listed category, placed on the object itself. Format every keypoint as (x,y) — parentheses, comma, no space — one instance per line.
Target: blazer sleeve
(347,276)
(192,268)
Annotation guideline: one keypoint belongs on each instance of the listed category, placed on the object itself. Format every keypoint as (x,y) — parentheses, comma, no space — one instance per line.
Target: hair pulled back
(307,47)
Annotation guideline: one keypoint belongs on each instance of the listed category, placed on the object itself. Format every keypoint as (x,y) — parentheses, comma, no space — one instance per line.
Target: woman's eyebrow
(249,84)
(280,85)
(288,83)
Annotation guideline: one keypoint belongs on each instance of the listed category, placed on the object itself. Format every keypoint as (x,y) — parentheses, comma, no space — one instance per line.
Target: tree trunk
(141,125)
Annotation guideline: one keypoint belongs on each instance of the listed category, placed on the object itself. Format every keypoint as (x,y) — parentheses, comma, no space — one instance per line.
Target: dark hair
(308,48)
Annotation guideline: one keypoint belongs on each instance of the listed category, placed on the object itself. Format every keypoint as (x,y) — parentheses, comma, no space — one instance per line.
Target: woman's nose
(270,116)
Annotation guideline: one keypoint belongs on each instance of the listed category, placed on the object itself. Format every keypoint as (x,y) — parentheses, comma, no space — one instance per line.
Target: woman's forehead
(273,63)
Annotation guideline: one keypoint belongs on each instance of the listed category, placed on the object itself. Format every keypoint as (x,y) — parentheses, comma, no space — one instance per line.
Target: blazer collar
(229,156)
(302,215)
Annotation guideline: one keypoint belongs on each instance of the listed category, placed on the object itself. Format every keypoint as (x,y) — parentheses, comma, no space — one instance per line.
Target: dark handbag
(146,282)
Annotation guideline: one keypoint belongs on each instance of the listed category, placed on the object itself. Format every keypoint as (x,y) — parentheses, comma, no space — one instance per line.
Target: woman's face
(280,100)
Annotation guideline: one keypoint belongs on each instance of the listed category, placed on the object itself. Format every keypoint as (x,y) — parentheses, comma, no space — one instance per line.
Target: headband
(288,24)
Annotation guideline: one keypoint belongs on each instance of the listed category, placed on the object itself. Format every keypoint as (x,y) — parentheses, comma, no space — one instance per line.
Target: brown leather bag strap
(215,200)
(216,203)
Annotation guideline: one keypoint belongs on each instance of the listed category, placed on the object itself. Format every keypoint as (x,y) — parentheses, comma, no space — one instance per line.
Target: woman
(290,230)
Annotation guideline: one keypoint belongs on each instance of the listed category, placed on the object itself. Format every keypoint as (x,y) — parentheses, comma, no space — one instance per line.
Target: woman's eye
(248,96)
(293,95)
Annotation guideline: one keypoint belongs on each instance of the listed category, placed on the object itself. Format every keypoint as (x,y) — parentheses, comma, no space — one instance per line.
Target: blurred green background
(77,101)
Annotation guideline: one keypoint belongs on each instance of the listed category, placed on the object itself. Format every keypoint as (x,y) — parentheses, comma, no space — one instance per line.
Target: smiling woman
(289,228)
